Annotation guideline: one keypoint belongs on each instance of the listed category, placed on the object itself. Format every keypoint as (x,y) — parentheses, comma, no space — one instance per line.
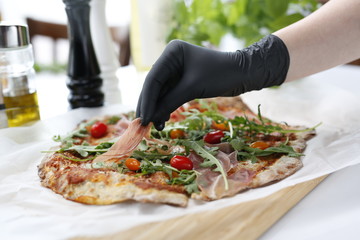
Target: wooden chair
(56,31)
(356,62)
(121,35)
(47,29)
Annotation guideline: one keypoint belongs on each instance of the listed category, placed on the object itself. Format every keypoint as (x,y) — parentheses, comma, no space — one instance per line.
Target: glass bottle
(17,75)
(3,117)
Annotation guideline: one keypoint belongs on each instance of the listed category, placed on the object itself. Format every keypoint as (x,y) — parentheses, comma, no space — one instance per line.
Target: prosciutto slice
(211,183)
(223,147)
(127,142)
(122,125)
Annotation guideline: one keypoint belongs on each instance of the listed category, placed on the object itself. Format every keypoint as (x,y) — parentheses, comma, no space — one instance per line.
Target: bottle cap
(12,36)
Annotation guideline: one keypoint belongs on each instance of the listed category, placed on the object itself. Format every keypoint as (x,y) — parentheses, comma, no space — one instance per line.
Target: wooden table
(247,220)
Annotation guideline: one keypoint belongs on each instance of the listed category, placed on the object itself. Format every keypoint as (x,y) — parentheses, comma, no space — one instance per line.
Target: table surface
(331,211)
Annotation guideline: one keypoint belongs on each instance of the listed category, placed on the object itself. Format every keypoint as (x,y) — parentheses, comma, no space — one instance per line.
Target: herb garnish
(209,159)
(244,125)
(186,178)
(84,149)
(113,120)
(245,152)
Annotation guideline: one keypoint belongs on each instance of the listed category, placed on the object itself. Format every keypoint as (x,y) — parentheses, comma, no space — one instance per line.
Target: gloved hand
(185,72)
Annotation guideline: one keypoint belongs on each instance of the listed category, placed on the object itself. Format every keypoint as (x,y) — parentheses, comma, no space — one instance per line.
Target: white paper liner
(30,211)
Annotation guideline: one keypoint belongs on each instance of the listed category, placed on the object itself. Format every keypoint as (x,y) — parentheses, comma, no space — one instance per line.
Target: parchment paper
(30,211)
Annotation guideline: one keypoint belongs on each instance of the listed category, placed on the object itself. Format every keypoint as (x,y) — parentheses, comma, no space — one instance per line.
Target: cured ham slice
(127,142)
(212,184)
(213,187)
(223,147)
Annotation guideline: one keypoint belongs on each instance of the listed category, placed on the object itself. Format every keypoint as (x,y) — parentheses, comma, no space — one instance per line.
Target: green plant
(200,21)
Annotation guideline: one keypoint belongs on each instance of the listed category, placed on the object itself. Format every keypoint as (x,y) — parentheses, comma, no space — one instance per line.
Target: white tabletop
(330,211)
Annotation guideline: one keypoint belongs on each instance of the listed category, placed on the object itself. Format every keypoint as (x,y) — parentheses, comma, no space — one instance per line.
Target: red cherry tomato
(181,162)
(214,137)
(98,129)
(132,164)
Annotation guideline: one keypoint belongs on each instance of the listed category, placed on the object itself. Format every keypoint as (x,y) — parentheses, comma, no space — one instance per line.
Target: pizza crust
(101,188)
(282,168)
(100,193)
(285,165)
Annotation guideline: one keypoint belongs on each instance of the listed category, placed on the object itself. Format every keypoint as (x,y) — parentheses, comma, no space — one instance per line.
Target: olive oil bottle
(3,118)
(17,75)
(22,109)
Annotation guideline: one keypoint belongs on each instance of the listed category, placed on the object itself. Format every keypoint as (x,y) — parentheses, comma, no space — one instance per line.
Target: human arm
(326,38)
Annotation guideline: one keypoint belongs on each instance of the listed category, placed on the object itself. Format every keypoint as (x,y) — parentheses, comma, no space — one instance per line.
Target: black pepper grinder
(83,69)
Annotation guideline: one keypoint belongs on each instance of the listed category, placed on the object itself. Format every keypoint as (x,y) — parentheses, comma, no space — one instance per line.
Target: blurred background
(47,22)
(140,29)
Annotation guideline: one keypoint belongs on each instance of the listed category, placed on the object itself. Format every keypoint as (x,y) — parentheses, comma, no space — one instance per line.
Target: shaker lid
(13,35)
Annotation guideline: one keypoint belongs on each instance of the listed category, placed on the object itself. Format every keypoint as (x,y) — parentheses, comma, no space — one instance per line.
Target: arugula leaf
(246,152)
(142,146)
(69,139)
(104,145)
(209,159)
(151,156)
(120,167)
(285,149)
(192,187)
(149,167)
(259,115)
(238,144)
(245,125)
(85,149)
(186,178)
(113,120)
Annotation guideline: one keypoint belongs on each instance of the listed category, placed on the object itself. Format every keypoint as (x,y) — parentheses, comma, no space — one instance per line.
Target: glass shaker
(3,118)
(17,75)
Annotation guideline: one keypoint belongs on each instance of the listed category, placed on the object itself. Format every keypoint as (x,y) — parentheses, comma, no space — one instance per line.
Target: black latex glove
(185,72)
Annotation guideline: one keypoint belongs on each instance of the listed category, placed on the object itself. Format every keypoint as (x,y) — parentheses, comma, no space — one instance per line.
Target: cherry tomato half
(98,129)
(224,126)
(214,137)
(181,162)
(260,144)
(177,133)
(132,164)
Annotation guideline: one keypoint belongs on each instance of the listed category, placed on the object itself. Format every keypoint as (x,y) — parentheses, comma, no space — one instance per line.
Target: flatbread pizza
(210,149)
